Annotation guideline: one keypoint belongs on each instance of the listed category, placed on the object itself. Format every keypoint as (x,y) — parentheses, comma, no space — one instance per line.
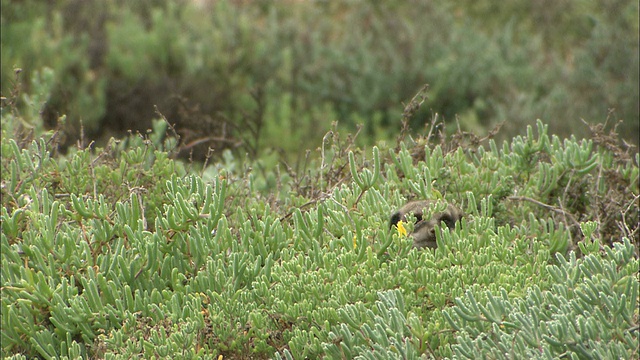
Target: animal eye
(448,221)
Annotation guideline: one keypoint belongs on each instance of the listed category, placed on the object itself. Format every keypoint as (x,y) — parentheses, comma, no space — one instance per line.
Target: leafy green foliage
(121,251)
(261,76)
(44,50)
(590,312)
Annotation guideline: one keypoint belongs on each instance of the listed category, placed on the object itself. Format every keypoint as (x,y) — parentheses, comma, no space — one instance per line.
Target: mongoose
(424,230)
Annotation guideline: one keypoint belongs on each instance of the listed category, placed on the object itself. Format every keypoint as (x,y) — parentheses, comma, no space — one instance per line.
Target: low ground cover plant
(122,251)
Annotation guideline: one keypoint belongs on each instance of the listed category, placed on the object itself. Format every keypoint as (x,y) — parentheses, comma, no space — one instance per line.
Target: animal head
(424,229)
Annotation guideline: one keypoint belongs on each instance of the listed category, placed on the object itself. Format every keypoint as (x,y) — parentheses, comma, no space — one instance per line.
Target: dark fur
(424,230)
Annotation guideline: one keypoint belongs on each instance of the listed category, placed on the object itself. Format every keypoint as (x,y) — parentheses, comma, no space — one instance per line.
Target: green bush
(37,44)
(121,252)
(254,76)
(591,312)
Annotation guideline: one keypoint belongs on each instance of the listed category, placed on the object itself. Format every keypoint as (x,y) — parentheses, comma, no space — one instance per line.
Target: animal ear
(448,220)
(395,217)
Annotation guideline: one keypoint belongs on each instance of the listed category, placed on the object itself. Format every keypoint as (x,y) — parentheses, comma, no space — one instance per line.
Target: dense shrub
(121,251)
(235,74)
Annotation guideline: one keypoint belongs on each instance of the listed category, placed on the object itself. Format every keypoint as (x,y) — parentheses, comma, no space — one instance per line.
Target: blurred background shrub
(271,76)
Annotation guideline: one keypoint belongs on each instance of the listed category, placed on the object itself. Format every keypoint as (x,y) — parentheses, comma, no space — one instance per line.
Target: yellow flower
(401,230)
(354,242)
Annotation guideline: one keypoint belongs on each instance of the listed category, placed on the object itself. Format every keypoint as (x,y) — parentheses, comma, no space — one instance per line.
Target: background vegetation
(269,76)
(122,252)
